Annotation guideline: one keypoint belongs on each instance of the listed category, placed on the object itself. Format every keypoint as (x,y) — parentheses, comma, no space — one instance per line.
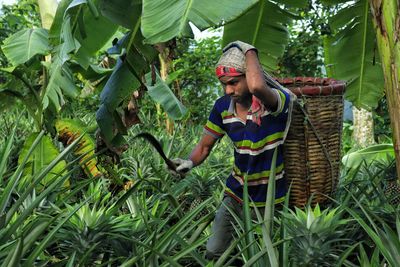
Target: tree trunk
(363,134)
(386,18)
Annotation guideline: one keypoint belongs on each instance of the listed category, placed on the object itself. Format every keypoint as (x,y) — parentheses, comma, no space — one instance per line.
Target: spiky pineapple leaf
(43,154)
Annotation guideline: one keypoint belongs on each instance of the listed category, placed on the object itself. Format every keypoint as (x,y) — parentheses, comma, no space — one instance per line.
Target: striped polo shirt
(254,145)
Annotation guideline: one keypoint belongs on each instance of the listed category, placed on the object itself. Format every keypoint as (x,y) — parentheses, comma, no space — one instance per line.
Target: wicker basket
(312,147)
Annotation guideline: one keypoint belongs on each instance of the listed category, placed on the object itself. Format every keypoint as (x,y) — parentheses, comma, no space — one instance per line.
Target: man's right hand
(182,166)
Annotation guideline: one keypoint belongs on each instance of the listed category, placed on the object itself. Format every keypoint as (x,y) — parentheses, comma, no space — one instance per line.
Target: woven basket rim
(311,86)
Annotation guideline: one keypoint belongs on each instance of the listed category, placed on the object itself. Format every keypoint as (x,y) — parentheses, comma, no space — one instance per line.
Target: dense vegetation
(76,187)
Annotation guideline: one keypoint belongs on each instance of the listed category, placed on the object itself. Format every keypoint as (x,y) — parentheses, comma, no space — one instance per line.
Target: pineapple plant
(315,235)
(197,188)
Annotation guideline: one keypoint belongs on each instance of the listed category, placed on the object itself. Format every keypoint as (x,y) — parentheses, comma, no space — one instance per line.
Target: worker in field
(255,114)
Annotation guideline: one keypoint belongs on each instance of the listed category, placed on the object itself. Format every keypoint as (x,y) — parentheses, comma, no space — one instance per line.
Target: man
(255,113)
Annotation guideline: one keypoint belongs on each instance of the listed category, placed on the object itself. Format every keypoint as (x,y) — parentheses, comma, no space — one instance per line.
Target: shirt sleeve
(283,102)
(214,125)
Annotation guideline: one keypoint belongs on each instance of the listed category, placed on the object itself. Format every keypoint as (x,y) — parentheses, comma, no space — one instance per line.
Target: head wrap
(231,63)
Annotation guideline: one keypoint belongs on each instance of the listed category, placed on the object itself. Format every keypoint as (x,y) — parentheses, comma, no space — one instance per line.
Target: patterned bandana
(231,63)
(227,71)
(257,110)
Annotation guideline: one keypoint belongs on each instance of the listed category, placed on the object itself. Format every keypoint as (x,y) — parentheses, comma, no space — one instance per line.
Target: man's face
(236,87)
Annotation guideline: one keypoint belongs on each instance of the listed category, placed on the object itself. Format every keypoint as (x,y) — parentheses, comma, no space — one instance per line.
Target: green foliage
(16,118)
(303,55)
(143,218)
(164,20)
(117,89)
(366,183)
(88,38)
(195,75)
(41,157)
(314,234)
(68,130)
(161,93)
(121,12)
(385,238)
(95,228)
(382,129)
(97,223)
(350,54)
(23,14)
(25,44)
(379,152)
(14,18)
(347,137)
(25,219)
(264,26)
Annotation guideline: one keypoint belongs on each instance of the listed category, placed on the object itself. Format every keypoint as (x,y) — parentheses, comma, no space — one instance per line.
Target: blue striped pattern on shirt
(254,146)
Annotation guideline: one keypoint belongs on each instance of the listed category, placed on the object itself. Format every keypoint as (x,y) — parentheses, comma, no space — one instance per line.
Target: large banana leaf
(265,27)
(61,81)
(380,152)
(123,81)
(23,45)
(69,43)
(122,12)
(55,30)
(119,87)
(351,55)
(165,19)
(161,93)
(47,12)
(95,31)
(43,154)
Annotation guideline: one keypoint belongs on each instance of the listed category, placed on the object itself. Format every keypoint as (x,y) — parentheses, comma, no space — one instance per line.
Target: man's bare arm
(256,83)
(202,149)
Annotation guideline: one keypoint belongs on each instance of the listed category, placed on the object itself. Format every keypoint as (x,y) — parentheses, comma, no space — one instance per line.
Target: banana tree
(151,23)
(265,26)
(41,58)
(353,56)
(73,39)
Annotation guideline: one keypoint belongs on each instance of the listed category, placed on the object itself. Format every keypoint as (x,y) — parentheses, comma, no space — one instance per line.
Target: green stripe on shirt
(258,175)
(261,143)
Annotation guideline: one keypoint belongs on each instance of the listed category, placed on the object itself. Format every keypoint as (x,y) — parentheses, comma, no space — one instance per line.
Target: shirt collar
(256,106)
(231,108)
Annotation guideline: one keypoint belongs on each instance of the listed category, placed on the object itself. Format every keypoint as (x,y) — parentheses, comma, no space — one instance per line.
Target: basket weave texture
(312,146)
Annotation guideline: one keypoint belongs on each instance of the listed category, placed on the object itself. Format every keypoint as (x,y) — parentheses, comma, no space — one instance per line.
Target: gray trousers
(222,228)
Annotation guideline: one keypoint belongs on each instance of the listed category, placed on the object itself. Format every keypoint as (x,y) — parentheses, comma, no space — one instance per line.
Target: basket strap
(325,151)
(273,83)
